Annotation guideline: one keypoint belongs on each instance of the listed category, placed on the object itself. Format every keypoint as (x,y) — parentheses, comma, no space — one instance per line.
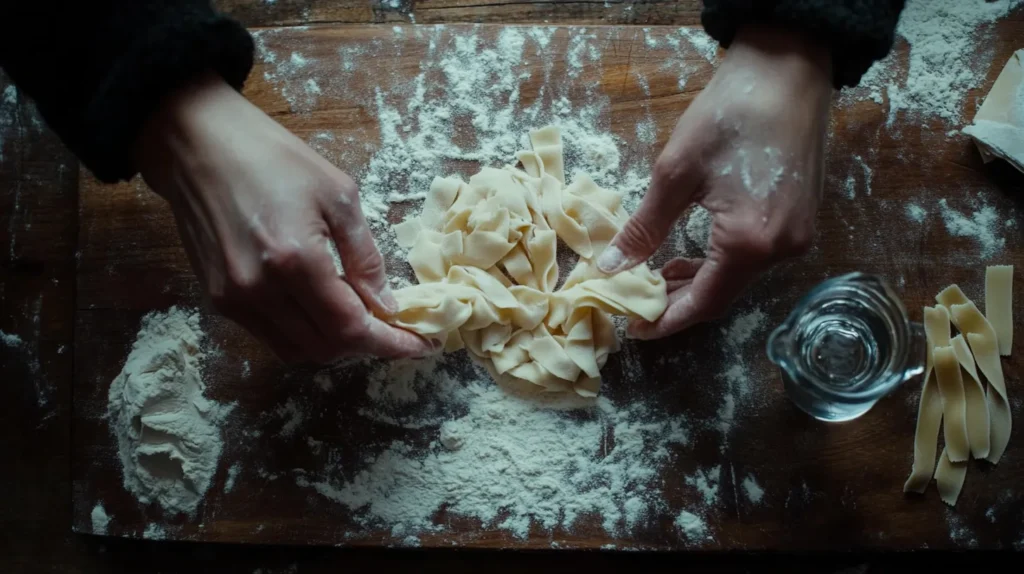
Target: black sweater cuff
(858,32)
(163,59)
(98,69)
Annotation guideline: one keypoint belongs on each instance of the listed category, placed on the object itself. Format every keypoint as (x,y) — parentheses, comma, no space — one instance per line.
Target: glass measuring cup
(847,344)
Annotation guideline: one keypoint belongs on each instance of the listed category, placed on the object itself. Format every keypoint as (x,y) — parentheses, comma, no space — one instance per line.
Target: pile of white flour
(168,433)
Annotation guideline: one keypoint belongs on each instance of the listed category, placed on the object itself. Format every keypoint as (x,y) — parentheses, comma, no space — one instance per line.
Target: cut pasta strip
(949,478)
(954,408)
(977,404)
(950,296)
(929,410)
(936,326)
(999,304)
(929,419)
(982,339)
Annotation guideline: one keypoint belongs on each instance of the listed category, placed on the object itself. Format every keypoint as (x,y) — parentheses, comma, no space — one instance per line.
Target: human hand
(256,209)
(750,149)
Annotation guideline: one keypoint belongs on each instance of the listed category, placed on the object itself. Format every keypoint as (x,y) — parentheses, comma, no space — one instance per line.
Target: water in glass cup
(846,344)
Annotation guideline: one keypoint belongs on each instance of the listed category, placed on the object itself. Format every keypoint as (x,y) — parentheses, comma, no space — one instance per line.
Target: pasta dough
(954,408)
(999,304)
(982,340)
(484,253)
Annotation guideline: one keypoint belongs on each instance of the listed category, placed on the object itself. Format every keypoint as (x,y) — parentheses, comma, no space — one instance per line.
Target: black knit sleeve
(858,32)
(97,69)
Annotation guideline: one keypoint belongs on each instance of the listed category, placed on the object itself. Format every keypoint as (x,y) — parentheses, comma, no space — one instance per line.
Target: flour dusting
(950,53)
(692,526)
(168,433)
(983,226)
(915,212)
(753,490)
(100,519)
(515,465)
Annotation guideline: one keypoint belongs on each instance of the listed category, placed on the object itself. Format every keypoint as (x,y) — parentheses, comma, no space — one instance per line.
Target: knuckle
(283,256)
(240,283)
(668,168)
(637,234)
(342,194)
(371,265)
(777,243)
(353,330)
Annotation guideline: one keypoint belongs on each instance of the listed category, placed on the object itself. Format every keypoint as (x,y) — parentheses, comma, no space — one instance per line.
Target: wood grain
(581,12)
(827,487)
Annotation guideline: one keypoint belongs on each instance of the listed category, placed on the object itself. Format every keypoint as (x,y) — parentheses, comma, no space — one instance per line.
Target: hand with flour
(750,149)
(256,209)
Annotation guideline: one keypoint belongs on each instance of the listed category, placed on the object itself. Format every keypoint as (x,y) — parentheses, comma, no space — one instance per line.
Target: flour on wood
(168,433)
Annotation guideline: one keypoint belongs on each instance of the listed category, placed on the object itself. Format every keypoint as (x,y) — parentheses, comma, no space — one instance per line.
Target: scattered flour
(293,415)
(515,465)
(946,58)
(100,519)
(916,213)
(10,339)
(703,44)
(949,55)
(753,490)
(867,173)
(959,532)
(706,482)
(471,103)
(154,531)
(692,526)
(983,226)
(737,378)
(851,186)
(698,227)
(168,433)
(233,472)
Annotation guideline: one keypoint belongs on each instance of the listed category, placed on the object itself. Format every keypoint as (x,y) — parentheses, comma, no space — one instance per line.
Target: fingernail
(436,347)
(611,259)
(386,297)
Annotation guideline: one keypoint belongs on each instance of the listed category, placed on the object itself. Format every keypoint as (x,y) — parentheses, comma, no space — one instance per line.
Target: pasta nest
(484,253)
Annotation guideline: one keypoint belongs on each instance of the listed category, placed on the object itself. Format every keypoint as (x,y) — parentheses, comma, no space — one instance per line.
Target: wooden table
(57,238)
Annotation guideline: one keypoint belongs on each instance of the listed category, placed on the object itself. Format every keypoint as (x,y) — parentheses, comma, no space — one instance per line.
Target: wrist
(169,136)
(791,55)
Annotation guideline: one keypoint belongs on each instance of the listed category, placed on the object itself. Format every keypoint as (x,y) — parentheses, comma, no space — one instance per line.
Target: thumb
(360,258)
(670,193)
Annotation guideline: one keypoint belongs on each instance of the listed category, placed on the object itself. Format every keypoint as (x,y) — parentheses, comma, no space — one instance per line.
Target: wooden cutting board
(826,486)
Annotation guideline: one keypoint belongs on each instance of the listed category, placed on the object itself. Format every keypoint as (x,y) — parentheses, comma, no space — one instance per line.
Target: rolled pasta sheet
(954,405)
